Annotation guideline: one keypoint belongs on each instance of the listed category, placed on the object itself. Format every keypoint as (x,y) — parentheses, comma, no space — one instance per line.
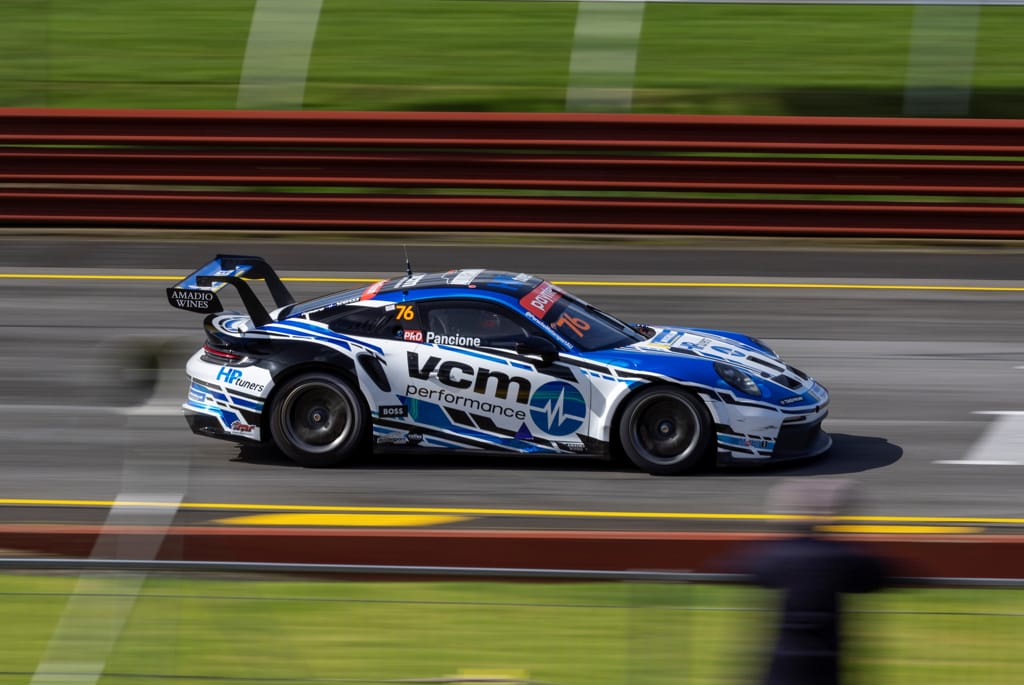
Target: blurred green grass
(205,630)
(493,55)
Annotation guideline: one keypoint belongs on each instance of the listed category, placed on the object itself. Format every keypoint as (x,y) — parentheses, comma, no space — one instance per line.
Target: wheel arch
(615,440)
(282,377)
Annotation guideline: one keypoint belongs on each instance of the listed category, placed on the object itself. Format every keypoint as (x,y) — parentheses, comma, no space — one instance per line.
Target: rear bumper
(218,405)
(211,427)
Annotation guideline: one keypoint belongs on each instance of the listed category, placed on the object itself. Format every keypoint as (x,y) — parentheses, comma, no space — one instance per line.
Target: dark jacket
(812,573)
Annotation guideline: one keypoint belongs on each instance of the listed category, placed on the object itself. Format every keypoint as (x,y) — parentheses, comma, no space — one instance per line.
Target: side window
(473,324)
(368,321)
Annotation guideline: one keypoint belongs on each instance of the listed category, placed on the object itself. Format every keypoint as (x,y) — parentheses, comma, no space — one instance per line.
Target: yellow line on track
(541,513)
(902,530)
(340,520)
(615,284)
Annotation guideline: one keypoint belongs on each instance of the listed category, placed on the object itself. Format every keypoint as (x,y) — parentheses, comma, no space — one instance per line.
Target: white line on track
(155,409)
(1002,443)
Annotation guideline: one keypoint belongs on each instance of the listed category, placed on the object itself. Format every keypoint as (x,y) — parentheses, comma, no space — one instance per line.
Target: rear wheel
(318,420)
(665,431)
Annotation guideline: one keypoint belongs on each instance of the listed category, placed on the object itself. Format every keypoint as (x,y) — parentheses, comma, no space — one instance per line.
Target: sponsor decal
(192,299)
(457,340)
(463,401)
(463,377)
(540,300)
(397,411)
(412,336)
(466,276)
(240,427)
(573,446)
(522,278)
(397,439)
(667,338)
(234,377)
(699,345)
(790,400)
(228,375)
(371,291)
(558,408)
(817,392)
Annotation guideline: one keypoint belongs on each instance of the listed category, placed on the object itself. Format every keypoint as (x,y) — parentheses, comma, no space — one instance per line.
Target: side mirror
(540,346)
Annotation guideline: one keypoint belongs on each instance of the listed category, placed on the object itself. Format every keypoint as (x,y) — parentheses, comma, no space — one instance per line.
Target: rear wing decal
(198,292)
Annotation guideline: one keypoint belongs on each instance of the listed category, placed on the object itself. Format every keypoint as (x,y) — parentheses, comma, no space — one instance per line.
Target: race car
(476,359)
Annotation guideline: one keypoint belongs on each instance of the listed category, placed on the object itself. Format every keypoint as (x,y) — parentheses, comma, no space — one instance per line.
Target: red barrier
(381,212)
(532,171)
(937,556)
(651,173)
(517,130)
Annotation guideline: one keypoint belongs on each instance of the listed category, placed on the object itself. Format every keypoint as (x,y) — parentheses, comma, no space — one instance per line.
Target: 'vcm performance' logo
(558,408)
(462,376)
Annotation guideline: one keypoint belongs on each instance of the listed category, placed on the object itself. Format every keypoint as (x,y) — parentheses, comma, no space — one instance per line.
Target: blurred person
(812,571)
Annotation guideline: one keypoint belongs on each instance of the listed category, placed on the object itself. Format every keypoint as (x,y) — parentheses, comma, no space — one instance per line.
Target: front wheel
(318,420)
(665,431)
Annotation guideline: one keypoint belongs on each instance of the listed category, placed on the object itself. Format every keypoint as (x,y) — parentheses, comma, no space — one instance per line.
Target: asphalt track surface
(922,347)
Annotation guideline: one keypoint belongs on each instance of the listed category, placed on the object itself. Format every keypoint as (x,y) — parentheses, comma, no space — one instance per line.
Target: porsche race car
(475,359)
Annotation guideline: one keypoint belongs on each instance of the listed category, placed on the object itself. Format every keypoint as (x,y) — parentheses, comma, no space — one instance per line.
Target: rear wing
(198,291)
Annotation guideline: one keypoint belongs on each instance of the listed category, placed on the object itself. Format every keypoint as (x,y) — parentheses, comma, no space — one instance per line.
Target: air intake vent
(791,383)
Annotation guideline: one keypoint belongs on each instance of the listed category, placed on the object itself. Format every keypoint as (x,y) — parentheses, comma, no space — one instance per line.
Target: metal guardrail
(527,172)
(380,570)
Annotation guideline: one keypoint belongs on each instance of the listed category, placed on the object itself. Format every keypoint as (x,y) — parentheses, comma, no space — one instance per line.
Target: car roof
(506,282)
(417,285)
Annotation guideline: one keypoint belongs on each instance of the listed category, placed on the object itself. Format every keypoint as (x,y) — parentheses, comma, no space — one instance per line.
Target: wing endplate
(198,292)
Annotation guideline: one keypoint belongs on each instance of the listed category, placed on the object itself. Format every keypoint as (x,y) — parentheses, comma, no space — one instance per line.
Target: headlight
(737,379)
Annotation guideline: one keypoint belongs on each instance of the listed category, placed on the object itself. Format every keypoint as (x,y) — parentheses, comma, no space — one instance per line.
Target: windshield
(581,324)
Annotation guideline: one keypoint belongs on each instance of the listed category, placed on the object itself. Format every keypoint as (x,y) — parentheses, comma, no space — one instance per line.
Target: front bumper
(793,442)
(801,441)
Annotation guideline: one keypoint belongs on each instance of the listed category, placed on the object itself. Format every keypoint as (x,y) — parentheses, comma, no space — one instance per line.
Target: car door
(465,375)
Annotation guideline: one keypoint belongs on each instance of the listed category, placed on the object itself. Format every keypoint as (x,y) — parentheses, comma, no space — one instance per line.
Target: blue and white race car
(483,360)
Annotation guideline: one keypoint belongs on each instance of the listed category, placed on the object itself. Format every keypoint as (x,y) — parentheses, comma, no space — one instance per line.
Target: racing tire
(665,431)
(318,420)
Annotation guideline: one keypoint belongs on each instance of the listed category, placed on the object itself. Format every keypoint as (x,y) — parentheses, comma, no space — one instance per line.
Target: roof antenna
(408,266)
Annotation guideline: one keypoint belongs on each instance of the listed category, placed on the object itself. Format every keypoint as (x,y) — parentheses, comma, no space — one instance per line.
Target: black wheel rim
(317,417)
(666,430)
